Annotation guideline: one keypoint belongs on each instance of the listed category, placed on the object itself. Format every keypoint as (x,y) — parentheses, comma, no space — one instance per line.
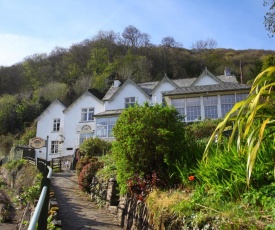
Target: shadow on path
(76,210)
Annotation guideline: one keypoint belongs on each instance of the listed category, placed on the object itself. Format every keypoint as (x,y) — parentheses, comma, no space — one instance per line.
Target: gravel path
(76,210)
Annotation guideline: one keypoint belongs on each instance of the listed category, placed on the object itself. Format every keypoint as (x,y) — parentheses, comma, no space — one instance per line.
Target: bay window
(105,126)
(210,104)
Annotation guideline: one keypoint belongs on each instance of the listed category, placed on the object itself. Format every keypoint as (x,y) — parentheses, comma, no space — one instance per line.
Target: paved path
(76,210)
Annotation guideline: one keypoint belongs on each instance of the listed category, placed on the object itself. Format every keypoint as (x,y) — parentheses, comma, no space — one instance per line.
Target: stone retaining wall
(130,213)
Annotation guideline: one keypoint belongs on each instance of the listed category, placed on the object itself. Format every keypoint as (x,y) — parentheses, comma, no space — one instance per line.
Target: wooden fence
(27,153)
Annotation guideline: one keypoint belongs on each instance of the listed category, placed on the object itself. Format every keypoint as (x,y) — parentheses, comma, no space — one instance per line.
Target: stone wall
(130,213)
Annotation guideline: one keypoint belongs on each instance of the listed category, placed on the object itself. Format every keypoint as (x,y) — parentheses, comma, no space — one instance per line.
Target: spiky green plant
(253,120)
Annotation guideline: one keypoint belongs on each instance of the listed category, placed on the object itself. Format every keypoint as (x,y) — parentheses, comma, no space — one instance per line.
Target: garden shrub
(150,139)
(109,170)
(84,161)
(87,173)
(95,147)
(202,129)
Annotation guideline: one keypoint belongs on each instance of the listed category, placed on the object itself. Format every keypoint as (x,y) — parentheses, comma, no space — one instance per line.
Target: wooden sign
(37,142)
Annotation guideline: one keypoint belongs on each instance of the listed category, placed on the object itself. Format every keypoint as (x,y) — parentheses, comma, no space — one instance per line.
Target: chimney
(227,71)
(117,82)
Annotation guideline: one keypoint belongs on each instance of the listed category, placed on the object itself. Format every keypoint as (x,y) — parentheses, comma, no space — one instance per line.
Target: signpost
(37,142)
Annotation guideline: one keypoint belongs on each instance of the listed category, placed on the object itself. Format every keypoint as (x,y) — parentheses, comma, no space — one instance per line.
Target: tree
(11,79)
(149,139)
(253,120)
(52,91)
(98,64)
(37,71)
(135,66)
(8,118)
(134,38)
(268,61)
(269,18)
(203,48)
(170,42)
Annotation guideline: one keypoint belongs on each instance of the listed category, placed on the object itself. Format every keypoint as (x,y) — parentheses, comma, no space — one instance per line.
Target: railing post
(42,221)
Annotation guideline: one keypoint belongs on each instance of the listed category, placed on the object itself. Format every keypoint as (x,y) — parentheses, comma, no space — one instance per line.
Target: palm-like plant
(253,119)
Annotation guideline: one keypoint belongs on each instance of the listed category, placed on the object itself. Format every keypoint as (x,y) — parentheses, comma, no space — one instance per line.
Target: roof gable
(87,93)
(163,80)
(115,90)
(206,78)
(56,102)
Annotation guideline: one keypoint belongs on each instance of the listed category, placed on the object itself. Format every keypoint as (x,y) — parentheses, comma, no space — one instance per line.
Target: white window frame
(85,136)
(129,101)
(54,147)
(218,105)
(210,104)
(87,114)
(105,126)
(56,124)
(193,109)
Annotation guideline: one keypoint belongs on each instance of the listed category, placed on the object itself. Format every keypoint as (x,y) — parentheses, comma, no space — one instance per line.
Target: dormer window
(87,114)
(56,124)
(129,101)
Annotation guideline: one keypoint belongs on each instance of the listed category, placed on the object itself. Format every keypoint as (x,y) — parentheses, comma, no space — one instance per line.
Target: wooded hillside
(27,88)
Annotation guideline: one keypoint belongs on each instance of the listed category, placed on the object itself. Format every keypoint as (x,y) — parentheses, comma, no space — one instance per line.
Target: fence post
(42,221)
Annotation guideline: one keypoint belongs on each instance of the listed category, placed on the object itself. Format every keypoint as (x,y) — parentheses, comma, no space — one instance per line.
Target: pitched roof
(208,88)
(110,93)
(96,93)
(230,79)
(84,94)
(56,101)
(206,72)
(149,87)
(109,113)
(113,90)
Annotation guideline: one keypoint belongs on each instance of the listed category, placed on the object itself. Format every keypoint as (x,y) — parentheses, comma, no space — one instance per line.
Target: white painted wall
(157,93)
(206,80)
(73,124)
(45,127)
(128,90)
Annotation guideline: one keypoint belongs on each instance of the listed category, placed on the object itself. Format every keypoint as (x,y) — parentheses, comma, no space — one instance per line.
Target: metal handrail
(38,208)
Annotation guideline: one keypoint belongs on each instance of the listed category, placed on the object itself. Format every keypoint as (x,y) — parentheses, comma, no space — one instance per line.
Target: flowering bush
(84,161)
(139,187)
(87,173)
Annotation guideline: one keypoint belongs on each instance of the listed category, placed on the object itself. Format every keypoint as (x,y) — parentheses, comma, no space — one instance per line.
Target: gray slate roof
(109,113)
(148,87)
(208,88)
(110,93)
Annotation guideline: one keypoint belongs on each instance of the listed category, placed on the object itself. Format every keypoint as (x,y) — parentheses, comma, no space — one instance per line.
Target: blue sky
(30,27)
